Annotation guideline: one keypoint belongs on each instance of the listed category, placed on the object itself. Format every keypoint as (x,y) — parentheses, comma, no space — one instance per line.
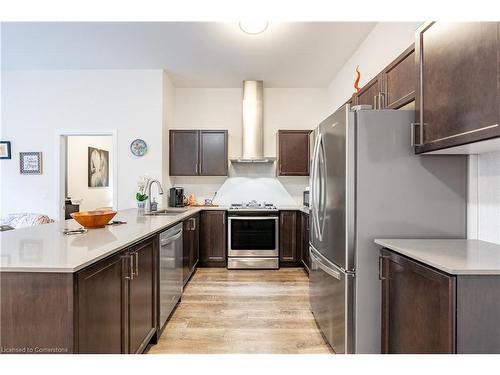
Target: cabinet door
(457,97)
(213,249)
(142,295)
(370,93)
(306,261)
(191,243)
(418,307)
(195,248)
(102,301)
(213,153)
(293,152)
(183,152)
(399,80)
(288,237)
(187,244)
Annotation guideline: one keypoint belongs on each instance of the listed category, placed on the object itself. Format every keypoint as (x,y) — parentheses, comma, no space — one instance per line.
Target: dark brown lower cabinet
(191,246)
(289,246)
(107,307)
(142,292)
(102,306)
(425,310)
(418,305)
(213,245)
(117,301)
(306,260)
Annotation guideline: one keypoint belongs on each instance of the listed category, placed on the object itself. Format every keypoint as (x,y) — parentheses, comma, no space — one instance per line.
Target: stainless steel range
(253,236)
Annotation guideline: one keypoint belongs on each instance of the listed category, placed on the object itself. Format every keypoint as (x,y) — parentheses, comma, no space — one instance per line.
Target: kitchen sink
(166,212)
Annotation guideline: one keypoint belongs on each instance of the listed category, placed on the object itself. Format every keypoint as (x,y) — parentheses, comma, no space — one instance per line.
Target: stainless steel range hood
(253,124)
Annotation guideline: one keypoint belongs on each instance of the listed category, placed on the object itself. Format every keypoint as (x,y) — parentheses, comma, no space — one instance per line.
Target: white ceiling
(196,54)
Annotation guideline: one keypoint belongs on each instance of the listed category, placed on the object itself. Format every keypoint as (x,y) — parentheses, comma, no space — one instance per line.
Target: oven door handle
(253,218)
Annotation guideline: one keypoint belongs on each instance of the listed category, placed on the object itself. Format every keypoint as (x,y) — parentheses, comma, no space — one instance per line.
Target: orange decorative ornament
(358,77)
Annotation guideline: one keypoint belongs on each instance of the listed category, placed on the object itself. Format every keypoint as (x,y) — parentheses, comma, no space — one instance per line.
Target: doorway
(87,172)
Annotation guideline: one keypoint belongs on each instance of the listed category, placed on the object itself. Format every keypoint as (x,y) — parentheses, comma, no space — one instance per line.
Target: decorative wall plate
(30,162)
(138,147)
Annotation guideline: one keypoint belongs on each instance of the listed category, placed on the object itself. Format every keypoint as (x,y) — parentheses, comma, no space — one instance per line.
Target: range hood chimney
(253,124)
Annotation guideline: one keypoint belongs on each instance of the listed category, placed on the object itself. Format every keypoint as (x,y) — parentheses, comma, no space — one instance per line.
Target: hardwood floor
(241,311)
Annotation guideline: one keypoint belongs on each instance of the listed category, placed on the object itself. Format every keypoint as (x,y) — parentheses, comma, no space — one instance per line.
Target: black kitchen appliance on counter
(70,208)
(176,197)
(305,198)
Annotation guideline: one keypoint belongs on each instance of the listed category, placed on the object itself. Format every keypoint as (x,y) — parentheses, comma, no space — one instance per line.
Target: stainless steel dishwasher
(170,271)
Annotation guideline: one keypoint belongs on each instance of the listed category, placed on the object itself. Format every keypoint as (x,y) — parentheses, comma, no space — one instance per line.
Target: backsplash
(245,183)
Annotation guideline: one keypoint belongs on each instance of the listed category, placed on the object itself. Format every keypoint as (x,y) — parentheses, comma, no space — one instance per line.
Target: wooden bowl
(93,219)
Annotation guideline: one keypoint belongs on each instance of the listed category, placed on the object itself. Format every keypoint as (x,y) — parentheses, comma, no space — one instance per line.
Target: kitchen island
(96,292)
(440,296)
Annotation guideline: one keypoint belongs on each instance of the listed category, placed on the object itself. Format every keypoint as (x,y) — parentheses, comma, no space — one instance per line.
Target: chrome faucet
(148,192)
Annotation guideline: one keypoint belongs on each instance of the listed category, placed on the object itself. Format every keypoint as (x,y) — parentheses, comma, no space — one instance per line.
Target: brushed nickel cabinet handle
(130,275)
(375,102)
(413,142)
(136,263)
(131,266)
(381,100)
(380,268)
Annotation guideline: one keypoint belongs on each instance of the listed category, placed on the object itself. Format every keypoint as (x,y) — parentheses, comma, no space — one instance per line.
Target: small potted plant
(141,195)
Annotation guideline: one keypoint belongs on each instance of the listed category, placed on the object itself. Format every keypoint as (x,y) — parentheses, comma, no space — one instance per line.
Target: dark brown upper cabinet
(399,80)
(458,89)
(370,94)
(198,152)
(213,246)
(394,87)
(293,152)
(213,153)
(183,156)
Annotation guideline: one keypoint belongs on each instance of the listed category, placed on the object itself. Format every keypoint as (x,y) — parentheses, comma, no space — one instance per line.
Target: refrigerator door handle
(324,267)
(314,184)
(322,183)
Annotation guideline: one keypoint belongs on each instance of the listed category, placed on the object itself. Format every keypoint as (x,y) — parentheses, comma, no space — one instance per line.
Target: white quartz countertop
(45,248)
(453,256)
(301,208)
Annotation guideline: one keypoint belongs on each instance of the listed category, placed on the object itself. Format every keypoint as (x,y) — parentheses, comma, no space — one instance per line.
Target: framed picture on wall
(98,170)
(5,150)
(30,162)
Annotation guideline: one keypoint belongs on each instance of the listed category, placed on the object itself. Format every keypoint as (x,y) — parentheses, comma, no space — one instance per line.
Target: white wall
(77,172)
(220,108)
(36,104)
(484,197)
(384,43)
(168,120)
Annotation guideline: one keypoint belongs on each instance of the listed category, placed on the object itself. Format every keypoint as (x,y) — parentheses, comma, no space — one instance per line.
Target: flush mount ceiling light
(253,27)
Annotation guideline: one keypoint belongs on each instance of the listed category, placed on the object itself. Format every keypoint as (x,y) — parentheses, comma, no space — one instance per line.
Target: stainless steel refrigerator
(366,183)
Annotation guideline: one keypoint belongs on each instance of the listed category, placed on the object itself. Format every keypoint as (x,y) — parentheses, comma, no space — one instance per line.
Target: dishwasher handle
(167,240)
